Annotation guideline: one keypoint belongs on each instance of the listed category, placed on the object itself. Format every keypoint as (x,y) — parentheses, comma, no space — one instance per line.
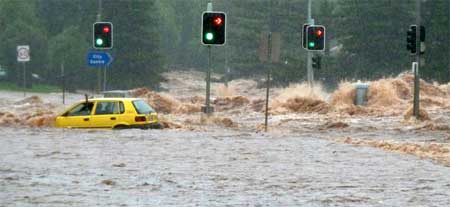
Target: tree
(373,46)
(21,27)
(138,59)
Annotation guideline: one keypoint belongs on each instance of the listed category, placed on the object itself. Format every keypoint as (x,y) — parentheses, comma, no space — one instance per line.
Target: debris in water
(119,165)
(335,125)
(108,182)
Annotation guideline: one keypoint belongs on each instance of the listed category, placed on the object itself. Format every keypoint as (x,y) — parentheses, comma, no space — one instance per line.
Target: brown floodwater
(321,150)
(56,167)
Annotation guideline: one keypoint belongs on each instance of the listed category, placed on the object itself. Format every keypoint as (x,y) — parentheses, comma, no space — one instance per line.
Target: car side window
(109,107)
(82,109)
(121,108)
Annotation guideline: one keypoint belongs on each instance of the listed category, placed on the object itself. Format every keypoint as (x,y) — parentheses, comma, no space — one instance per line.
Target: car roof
(114,99)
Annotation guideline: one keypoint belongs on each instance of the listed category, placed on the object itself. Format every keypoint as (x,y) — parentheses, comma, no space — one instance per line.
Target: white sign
(23,53)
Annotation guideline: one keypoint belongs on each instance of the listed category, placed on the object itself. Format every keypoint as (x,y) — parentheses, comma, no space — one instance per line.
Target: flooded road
(55,167)
(321,149)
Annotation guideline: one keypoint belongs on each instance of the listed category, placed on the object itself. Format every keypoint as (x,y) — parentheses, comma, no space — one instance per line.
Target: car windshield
(81,109)
(142,107)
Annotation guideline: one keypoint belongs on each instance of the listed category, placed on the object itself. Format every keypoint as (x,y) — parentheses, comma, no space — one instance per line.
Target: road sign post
(23,56)
(99,59)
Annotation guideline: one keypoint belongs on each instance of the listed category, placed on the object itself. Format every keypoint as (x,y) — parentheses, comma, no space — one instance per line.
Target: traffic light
(411,39)
(103,35)
(316,62)
(315,37)
(305,35)
(213,28)
(422,40)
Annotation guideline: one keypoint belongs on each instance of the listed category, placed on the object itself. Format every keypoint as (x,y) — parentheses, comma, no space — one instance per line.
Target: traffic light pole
(269,71)
(416,104)
(104,78)
(310,72)
(99,72)
(208,84)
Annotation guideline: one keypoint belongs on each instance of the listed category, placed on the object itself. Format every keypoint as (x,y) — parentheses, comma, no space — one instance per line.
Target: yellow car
(116,113)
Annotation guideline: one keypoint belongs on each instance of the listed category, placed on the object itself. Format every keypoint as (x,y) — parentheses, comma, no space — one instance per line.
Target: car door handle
(113,118)
(86,119)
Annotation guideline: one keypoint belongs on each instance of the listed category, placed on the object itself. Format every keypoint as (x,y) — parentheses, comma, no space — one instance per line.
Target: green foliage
(20,27)
(365,39)
(36,88)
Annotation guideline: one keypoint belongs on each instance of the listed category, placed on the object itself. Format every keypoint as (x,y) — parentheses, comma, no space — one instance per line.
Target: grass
(37,88)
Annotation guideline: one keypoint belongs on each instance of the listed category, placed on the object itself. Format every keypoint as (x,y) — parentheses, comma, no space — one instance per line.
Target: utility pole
(99,72)
(310,72)
(416,104)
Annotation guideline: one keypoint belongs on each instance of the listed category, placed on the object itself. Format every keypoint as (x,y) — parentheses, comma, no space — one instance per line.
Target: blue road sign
(99,59)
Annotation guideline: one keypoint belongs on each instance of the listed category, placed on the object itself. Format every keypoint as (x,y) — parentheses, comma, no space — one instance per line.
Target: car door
(106,114)
(77,117)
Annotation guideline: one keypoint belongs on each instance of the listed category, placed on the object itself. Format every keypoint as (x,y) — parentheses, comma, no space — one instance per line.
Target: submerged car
(116,113)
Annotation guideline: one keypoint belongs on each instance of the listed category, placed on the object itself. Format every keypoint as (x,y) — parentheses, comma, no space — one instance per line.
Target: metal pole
(416,105)
(227,72)
(24,80)
(99,72)
(63,84)
(310,72)
(104,78)
(208,82)
(269,71)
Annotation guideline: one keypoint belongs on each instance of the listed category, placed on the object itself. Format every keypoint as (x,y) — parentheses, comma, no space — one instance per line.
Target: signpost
(100,59)
(23,55)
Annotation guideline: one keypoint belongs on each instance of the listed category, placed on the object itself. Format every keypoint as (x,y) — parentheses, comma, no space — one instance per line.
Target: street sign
(275,47)
(99,59)
(23,53)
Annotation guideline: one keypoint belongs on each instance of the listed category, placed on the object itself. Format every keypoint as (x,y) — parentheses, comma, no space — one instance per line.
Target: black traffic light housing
(316,62)
(213,28)
(102,35)
(422,40)
(411,39)
(315,37)
(305,35)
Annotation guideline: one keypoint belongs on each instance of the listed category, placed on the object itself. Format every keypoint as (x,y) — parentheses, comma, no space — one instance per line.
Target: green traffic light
(209,36)
(311,44)
(99,41)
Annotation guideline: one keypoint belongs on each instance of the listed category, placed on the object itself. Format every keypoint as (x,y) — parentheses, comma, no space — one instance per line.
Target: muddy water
(319,152)
(54,167)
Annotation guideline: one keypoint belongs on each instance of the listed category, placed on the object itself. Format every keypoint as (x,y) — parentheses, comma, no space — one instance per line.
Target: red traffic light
(106,29)
(218,21)
(319,32)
